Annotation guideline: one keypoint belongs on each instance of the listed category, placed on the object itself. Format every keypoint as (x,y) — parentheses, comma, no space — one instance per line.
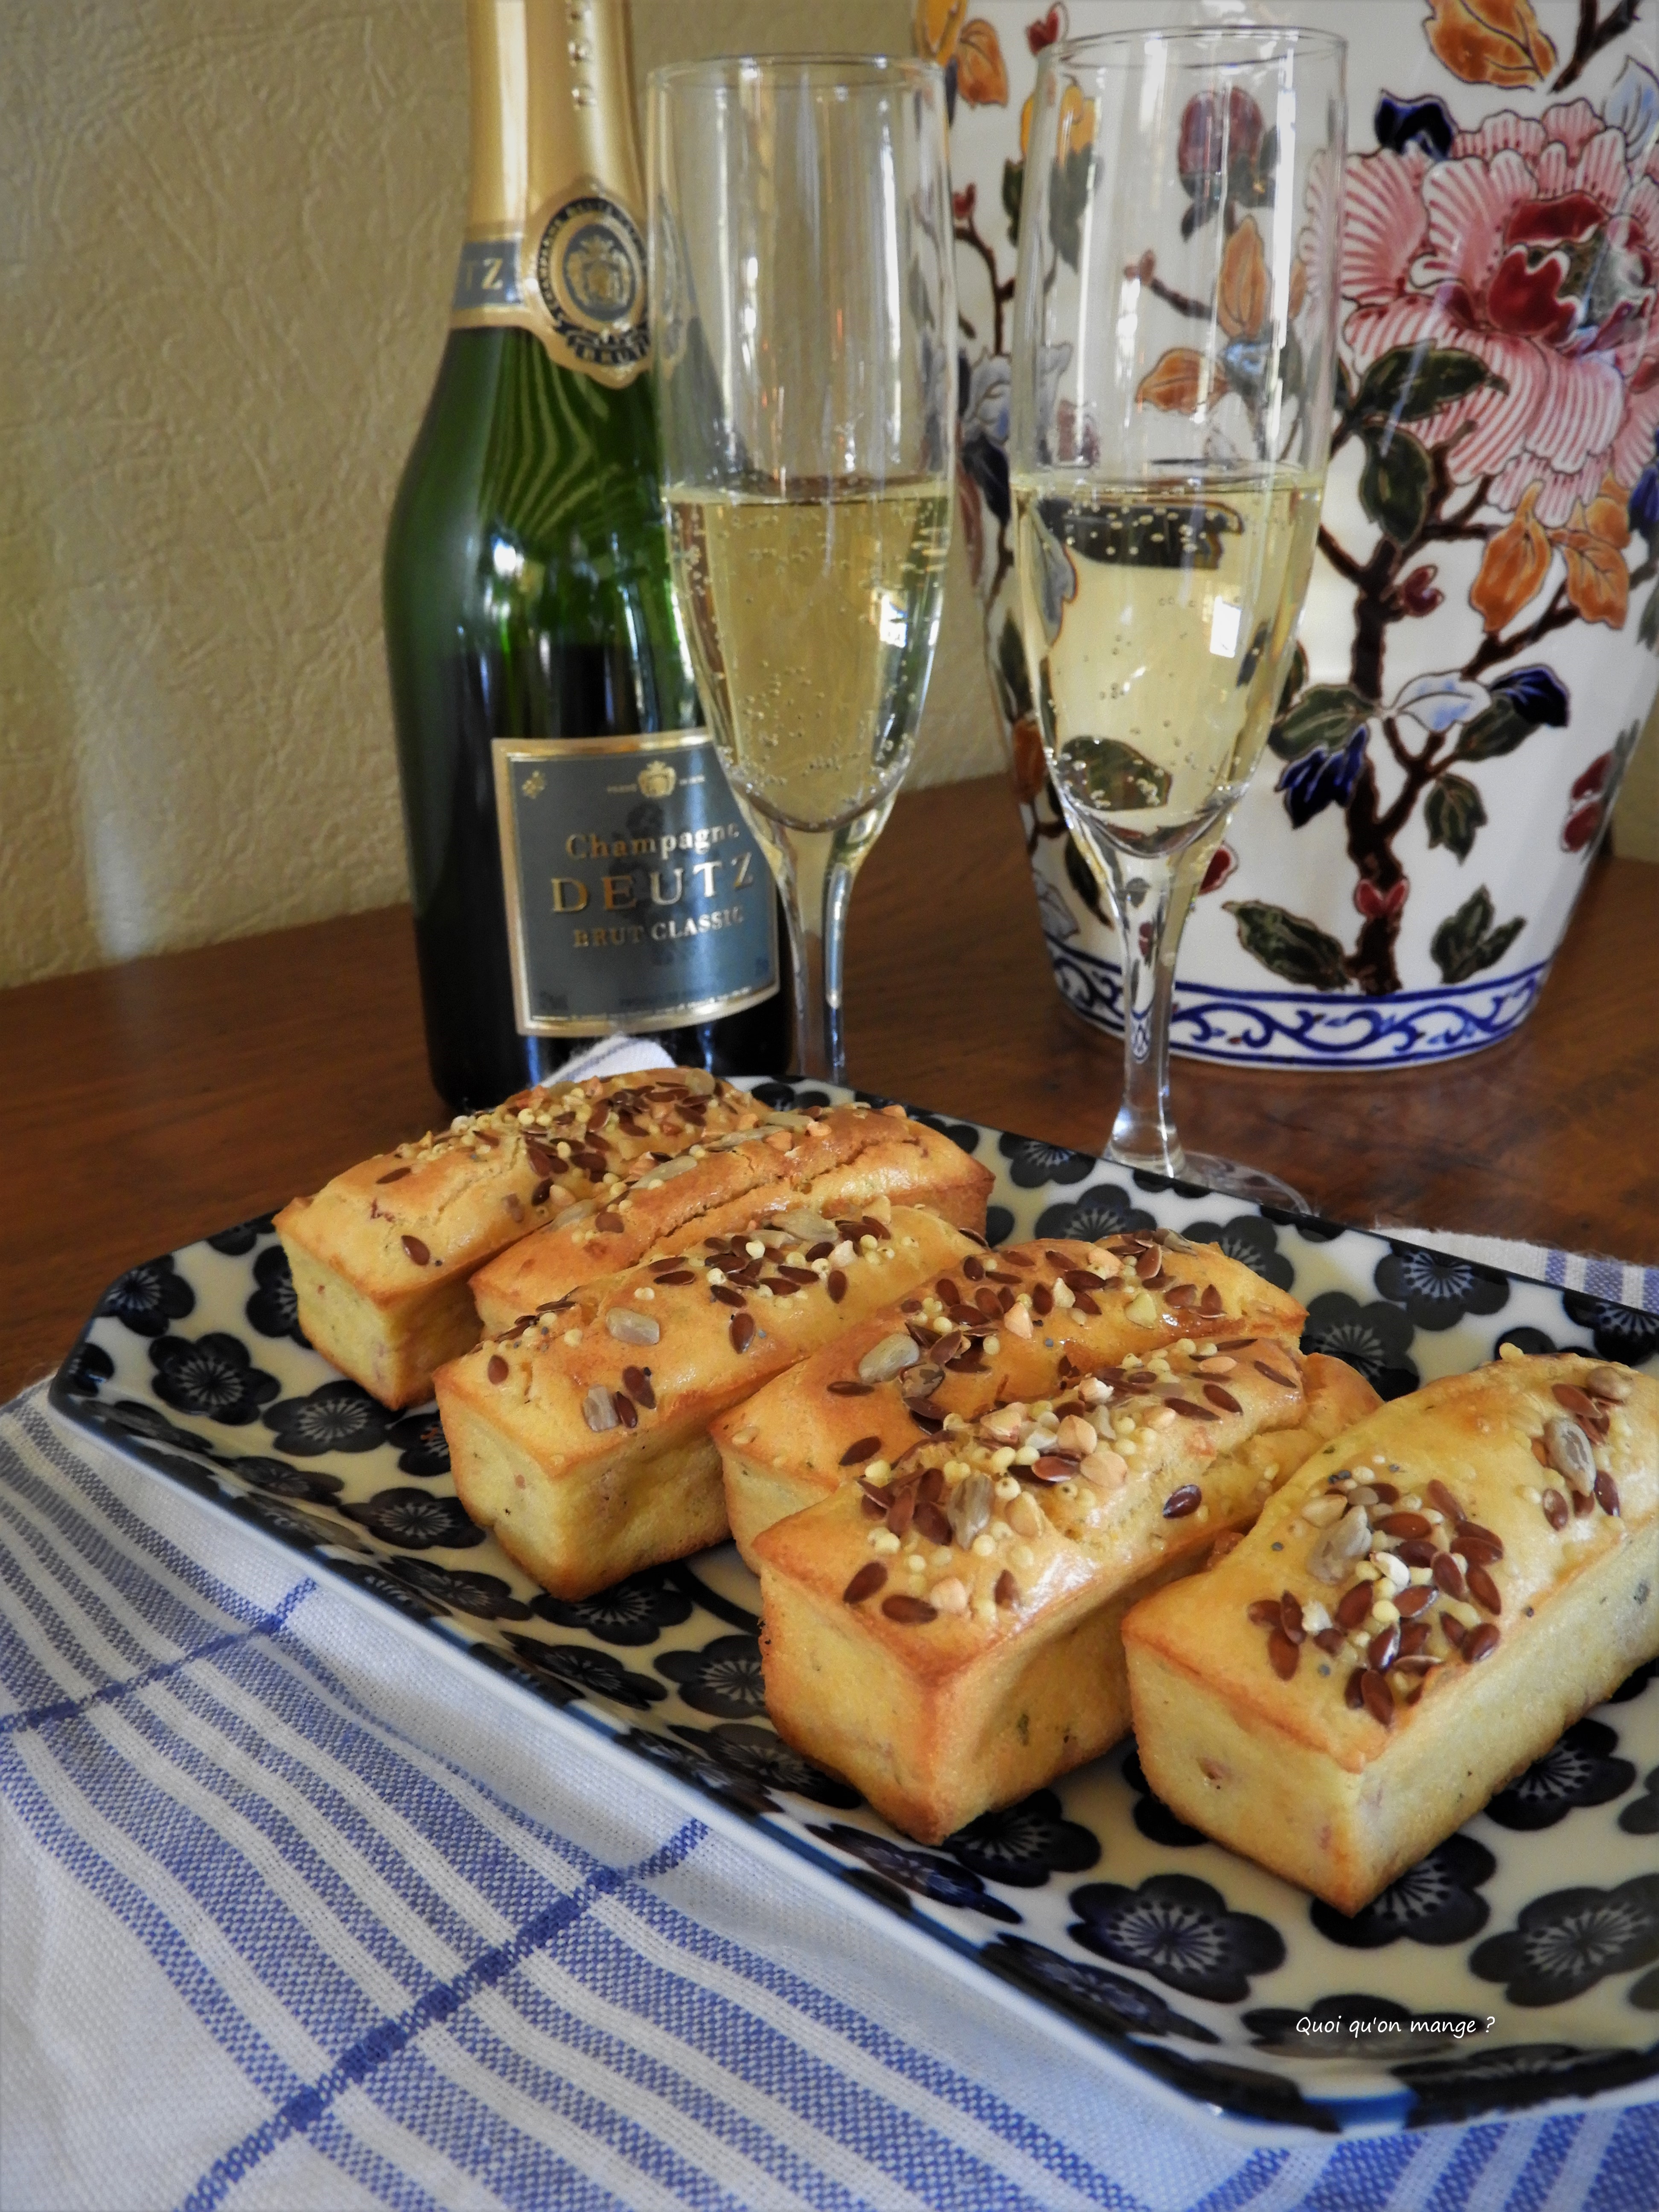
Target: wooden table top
(149,1104)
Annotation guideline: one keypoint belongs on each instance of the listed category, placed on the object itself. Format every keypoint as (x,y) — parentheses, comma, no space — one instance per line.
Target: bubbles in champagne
(1158,619)
(812,618)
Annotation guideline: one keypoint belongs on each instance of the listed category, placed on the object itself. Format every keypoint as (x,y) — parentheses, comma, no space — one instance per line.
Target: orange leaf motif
(936,29)
(982,74)
(1512,568)
(1076,121)
(1245,294)
(1609,517)
(1030,767)
(1182,383)
(1598,582)
(1077,124)
(1490,41)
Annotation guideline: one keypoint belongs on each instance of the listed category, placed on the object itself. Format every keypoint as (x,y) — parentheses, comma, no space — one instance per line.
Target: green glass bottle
(577,863)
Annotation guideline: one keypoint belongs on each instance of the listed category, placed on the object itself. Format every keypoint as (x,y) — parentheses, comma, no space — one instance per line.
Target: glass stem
(816,870)
(1150,895)
(815,900)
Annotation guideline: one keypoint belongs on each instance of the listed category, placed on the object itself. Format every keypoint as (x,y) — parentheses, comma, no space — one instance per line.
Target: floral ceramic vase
(1478,651)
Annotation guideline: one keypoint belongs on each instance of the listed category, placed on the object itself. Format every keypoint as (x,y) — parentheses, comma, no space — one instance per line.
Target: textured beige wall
(228,233)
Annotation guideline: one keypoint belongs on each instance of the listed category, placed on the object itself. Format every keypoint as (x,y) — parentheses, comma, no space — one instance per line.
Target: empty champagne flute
(804,310)
(1174,336)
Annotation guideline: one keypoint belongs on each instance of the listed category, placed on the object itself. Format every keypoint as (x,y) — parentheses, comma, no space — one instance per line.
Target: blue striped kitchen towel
(293,1914)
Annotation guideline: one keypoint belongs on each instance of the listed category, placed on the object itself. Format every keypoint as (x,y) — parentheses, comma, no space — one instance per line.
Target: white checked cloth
(298,1914)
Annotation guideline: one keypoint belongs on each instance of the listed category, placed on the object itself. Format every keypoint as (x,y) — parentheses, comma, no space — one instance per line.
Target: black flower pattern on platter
(280,1477)
(1099,1999)
(998,1225)
(1635,1683)
(273,1309)
(1022,1845)
(421,1446)
(565,1672)
(292,1523)
(1375,1339)
(1250,1240)
(149,1298)
(1104,1210)
(633,1612)
(135,1418)
(1578,1770)
(966,1134)
(373,1576)
(1151,1815)
(452,1589)
(232,1242)
(1532,1341)
(212,1376)
(939,1879)
(334,1417)
(1642,1817)
(1460,2087)
(1566,1942)
(785,1099)
(1179,1929)
(1433,1902)
(416,1520)
(747,1756)
(1618,1332)
(723,1679)
(1358,2027)
(1031,1162)
(1644,1993)
(1437,1288)
(87,1367)
(703,1772)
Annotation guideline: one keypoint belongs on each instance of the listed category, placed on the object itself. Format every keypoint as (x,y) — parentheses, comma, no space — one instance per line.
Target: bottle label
(636,898)
(487,277)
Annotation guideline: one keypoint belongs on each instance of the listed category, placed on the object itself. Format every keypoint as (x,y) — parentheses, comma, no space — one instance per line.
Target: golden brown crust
(549,1425)
(1235,1716)
(838,1162)
(946,1632)
(381,1255)
(784,1447)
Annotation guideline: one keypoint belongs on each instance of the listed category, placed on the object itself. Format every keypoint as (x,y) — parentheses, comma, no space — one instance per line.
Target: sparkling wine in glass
(803,307)
(1172,413)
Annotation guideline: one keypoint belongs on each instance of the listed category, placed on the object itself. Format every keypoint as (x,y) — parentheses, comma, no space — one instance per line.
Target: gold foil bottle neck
(555,171)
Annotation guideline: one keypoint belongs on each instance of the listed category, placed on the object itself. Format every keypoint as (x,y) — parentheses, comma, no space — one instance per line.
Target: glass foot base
(1232,1178)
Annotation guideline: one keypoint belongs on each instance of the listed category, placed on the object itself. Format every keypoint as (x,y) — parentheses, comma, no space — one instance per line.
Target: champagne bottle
(577,862)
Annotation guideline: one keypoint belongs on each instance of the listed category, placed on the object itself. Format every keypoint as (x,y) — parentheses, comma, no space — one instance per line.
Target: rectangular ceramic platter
(1221,1982)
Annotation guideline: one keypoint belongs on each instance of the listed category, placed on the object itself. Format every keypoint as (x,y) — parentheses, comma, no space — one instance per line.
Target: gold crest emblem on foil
(657,780)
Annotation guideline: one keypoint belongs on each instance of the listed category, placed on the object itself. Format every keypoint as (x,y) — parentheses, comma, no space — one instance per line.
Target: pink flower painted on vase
(1535,246)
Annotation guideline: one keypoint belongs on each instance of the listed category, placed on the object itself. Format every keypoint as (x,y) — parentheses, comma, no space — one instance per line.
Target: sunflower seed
(1335,1550)
(888,1359)
(970,1508)
(628,1327)
(597,1410)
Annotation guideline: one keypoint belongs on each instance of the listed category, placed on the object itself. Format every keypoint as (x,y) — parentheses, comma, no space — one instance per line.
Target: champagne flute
(804,308)
(1174,340)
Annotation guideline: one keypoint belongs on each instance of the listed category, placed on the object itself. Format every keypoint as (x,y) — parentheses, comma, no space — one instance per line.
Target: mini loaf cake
(832,1165)
(1415,1618)
(580,1437)
(1019,1322)
(946,1631)
(380,1257)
